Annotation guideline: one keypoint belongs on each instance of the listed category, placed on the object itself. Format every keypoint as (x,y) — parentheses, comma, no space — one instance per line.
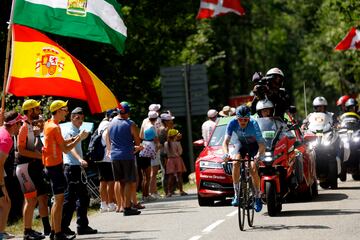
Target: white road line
(195,237)
(232,213)
(212,226)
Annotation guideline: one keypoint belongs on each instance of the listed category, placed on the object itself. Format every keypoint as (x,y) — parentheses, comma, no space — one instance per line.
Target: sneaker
(111,207)
(258,204)
(235,202)
(156,195)
(68,231)
(183,193)
(33,235)
(86,230)
(8,235)
(62,236)
(103,207)
(131,211)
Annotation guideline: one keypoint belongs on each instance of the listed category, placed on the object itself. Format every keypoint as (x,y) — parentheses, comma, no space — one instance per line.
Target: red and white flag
(351,41)
(213,8)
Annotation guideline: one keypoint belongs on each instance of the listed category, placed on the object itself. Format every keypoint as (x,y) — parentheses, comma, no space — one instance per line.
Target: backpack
(96,150)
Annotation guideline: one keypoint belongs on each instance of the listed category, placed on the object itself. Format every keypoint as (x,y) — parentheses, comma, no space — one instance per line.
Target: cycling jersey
(250,134)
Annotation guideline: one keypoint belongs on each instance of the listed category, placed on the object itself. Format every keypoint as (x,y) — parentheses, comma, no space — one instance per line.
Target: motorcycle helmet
(342,100)
(275,71)
(264,104)
(318,102)
(243,111)
(351,105)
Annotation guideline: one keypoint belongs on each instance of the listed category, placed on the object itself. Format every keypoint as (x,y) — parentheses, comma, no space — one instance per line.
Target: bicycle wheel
(250,203)
(242,199)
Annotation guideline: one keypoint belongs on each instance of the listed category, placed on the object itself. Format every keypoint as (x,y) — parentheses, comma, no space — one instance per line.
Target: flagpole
(6,69)
(305,98)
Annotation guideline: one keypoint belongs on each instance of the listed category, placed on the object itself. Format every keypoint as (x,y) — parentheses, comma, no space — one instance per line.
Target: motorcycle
(281,168)
(324,140)
(349,131)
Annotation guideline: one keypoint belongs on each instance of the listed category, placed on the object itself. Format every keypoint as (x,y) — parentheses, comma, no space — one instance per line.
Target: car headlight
(326,143)
(210,165)
(268,159)
(356,139)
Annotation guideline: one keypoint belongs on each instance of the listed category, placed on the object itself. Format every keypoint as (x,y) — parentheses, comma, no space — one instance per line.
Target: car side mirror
(199,143)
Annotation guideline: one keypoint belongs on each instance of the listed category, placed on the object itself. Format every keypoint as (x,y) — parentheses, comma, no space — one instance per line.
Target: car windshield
(218,135)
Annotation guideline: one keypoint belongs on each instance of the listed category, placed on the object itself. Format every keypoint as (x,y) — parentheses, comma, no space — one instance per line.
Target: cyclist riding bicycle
(251,142)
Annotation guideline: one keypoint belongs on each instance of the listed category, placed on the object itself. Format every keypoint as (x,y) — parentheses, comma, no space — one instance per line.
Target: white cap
(166,117)
(153,114)
(212,113)
(154,107)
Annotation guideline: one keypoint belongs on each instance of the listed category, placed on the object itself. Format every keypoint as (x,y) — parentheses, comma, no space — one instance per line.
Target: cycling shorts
(57,178)
(105,171)
(32,179)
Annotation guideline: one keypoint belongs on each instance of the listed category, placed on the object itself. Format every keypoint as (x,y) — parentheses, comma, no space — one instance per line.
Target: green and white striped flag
(96,20)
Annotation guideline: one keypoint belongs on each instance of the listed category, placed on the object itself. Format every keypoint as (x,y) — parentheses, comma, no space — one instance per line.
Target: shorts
(57,178)
(175,165)
(156,160)
(251,149)
(105,172)
(143,162)
(124,170)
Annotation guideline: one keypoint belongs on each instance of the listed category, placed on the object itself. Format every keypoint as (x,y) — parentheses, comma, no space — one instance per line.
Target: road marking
(195,237)
(232,213)
(212,226)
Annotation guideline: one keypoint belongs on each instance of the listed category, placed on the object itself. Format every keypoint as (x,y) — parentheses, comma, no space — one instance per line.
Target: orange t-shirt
(52,153)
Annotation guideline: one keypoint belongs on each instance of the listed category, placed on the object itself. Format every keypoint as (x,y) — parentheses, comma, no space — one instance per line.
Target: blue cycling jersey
(250,134)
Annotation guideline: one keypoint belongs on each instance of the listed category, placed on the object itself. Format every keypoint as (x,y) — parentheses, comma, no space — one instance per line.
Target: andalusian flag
(96,20)
(40,66)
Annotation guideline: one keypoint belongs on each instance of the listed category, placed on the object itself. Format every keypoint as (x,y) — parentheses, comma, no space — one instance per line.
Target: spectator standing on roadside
(76,194)
(29,171)
(106,175)
(150,143)
(54,146)
(124,141)
(155,162)
(174,164)
(12,124)
(209,125)
(167,123)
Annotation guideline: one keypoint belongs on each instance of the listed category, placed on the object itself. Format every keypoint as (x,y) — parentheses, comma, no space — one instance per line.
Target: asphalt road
(334,214)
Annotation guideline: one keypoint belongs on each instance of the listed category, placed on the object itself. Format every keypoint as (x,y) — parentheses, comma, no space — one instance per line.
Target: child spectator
(174,165)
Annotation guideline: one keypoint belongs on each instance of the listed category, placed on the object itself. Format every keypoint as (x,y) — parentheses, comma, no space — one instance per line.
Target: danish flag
(350,41)
(213,8)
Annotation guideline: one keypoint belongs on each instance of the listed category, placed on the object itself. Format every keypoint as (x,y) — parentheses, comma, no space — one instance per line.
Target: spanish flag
(40,66)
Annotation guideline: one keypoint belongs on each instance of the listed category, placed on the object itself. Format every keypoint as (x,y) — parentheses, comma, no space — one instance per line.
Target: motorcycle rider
(250,141)
(271,87)
(265,108)
(351,110)
(320,104)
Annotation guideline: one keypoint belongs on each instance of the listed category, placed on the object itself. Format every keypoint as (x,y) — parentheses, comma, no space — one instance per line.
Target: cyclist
(250,138)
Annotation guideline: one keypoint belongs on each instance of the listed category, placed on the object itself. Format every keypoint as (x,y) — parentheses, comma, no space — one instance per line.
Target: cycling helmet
(342,100)
(319,101)
(263,104)
(243,111)
(275,71)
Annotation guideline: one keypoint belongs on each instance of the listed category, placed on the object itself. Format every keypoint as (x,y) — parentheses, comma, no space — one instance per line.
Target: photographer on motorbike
(250,142)
(271,87)
(320,105)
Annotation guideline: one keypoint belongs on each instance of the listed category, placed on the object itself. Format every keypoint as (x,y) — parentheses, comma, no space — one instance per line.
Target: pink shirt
(6,141)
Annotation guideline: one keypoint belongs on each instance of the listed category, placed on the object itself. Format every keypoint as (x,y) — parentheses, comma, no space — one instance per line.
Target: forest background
(298,36)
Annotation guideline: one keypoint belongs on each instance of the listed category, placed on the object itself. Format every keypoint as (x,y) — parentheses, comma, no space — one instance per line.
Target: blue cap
(125,108)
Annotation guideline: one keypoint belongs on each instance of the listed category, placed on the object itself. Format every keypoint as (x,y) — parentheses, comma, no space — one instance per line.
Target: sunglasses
(64,109)
(243,119)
